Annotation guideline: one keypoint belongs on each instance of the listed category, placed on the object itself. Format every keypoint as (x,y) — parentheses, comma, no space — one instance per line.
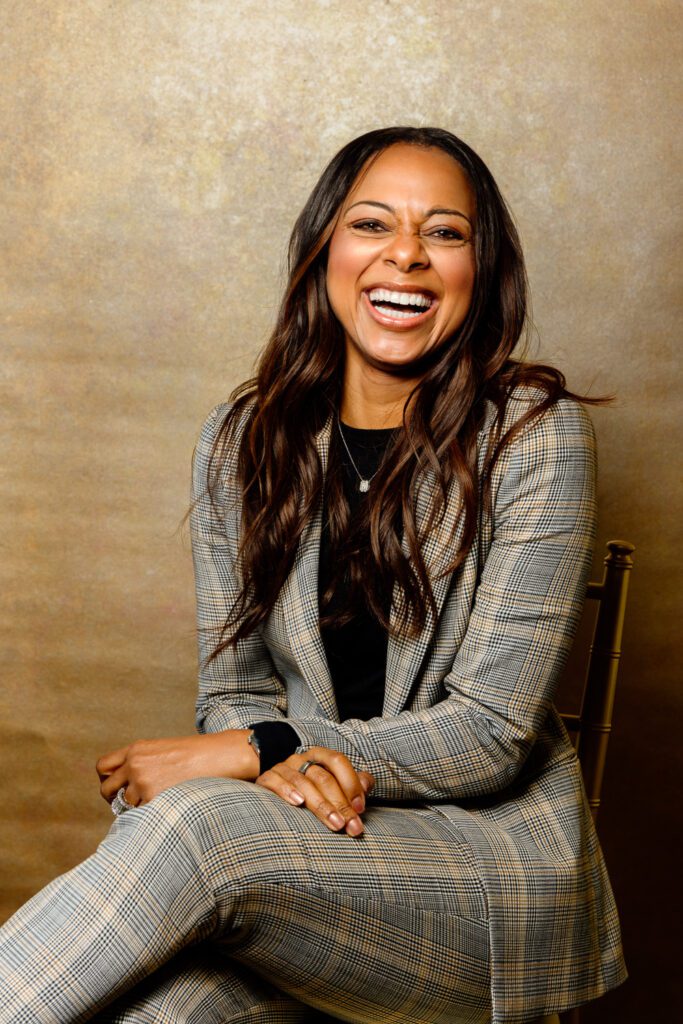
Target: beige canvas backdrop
(154,157)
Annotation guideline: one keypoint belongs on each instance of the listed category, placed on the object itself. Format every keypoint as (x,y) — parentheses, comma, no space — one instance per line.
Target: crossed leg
(280,915)
(201,986)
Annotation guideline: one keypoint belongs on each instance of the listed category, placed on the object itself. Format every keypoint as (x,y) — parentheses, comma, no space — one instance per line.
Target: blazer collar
(300,602)
(405,656)
(300,599)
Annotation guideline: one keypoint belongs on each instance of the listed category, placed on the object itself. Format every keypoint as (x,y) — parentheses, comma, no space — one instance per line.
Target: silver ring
(119,804)
(303,768)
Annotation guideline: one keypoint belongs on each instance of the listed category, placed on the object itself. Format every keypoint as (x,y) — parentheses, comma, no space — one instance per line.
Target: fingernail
(365,783)
(354,827)
(358,804)
(336,819)
(296,798)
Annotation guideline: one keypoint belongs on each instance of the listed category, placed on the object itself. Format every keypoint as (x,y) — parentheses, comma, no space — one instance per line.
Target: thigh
(391,926)
(248,837)
(368,962)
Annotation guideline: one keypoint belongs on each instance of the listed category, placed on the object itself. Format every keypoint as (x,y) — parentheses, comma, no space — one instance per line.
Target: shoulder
(549,456)
(221,431)
(565,423)
(216,422)
(215,457)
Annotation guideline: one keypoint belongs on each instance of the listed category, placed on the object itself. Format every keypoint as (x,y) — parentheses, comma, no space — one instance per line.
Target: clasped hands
(331,787)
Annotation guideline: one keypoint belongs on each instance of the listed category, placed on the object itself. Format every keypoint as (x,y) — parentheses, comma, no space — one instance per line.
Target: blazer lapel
(301,607)
(405,656)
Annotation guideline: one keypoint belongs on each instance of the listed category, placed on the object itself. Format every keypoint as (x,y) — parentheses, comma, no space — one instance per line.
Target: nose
(405,251)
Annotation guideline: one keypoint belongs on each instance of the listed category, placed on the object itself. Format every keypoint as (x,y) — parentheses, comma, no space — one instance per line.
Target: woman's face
(400,268)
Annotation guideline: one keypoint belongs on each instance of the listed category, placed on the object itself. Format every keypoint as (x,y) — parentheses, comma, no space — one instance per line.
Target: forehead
(413,176)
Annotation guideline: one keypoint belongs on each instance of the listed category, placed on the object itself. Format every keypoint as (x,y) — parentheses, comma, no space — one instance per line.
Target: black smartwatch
(273,742)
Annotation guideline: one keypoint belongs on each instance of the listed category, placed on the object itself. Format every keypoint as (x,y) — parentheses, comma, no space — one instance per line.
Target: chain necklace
(364,485)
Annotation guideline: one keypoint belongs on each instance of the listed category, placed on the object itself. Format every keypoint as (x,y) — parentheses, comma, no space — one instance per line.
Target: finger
(131,795)
(345,775)
(111,784)
(324,796)
(108,763)
(276,783)
(367,781)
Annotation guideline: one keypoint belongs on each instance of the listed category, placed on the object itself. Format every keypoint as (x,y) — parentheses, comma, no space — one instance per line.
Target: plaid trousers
(219,902)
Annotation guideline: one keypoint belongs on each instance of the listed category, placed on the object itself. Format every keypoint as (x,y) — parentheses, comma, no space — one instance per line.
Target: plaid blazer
(468,722)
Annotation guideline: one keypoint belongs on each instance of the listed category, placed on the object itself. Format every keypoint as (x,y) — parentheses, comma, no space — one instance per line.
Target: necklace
(364,485)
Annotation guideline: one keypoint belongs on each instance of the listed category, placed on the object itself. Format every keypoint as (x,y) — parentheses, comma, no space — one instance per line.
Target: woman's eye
(449,235)
(373,226)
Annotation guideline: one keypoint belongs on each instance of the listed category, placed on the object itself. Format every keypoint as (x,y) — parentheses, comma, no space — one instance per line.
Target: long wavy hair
(275,417)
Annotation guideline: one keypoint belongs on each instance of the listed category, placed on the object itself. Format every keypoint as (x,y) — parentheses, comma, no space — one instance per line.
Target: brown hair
(297,388)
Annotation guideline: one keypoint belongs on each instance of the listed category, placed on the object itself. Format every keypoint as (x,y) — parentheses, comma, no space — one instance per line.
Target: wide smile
(399,310)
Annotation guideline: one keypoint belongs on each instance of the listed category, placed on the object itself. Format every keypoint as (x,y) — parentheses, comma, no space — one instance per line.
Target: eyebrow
(430,213)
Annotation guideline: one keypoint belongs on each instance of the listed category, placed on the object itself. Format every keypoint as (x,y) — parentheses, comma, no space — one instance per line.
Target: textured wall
(155,154)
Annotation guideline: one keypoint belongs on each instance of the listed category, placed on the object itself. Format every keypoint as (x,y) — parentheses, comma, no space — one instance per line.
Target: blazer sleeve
(240,685)
(526,610)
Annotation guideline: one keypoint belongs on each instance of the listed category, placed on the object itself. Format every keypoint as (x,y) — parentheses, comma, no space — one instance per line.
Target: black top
(356,652)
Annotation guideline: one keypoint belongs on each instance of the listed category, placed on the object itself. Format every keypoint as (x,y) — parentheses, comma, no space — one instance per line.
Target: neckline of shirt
(367,432)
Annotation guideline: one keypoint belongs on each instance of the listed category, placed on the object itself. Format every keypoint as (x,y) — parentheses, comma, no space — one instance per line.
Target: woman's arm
(526,610)
(237,688)
(146,767)
(240,686)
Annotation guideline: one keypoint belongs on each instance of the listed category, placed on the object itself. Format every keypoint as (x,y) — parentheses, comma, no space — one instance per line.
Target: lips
(398,306)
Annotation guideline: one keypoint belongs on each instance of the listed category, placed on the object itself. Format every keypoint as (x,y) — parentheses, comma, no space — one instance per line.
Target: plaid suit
(468,722)
(478,890)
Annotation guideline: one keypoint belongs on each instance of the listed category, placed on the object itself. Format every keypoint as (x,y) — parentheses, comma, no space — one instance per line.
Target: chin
(405,363)
(396,351)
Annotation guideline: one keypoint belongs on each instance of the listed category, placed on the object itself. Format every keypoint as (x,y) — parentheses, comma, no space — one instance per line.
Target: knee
(191,814)
(228,833)
(211,812)
(196,808)
(226,827)
(198,796)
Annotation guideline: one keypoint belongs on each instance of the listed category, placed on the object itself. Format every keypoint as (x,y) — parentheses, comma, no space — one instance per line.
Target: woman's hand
(331,787)
(147,767)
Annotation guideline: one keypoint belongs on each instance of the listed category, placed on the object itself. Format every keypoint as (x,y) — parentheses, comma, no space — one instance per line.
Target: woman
(392,529)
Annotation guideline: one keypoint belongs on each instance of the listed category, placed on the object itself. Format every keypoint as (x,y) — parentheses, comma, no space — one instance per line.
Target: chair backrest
(591,728)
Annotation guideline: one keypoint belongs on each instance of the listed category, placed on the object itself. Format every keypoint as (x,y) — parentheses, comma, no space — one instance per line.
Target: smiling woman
(400,271)
(382,815)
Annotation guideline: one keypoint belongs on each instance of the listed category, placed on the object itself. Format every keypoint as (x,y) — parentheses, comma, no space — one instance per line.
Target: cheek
(340,269)
(458,279)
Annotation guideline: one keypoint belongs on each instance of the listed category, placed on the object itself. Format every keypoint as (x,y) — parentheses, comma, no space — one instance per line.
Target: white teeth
(400,298)
(397,314)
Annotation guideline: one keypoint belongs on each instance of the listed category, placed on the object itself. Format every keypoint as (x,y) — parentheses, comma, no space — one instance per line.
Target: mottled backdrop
(154,155)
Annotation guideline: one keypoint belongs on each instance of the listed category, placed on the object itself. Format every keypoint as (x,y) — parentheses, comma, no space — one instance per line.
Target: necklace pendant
(364,486)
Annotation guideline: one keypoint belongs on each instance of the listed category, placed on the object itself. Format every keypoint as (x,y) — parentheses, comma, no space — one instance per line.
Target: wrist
(236,759)
(249,756)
